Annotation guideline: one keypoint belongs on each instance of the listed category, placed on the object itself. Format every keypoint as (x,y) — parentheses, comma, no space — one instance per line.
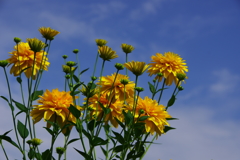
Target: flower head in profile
(48,33)
(137,68)
(115,109)
(116,89)
(157,114)
(54,107)
(101,42)
(35,44)
(169,64)
(127,48)
(106,53)
(22,59)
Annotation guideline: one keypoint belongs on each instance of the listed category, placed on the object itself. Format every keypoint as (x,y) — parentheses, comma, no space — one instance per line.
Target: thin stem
(4,150)
(161,91)
(126,62)
(95,64)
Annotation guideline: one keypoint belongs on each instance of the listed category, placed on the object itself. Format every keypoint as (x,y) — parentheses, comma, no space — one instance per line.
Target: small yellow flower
(137,68)
(127,48)
(22,59)
(36,141)
(48,33)
(35,44)
(101,42)
(169,64)
(157,114)
(54,107)
(106,53)
(117,92)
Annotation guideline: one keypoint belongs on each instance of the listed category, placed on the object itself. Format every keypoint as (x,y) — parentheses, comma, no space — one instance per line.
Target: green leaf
(8,139)
(22,130)
(7,132)
(4,98)
(76,78)
(76,86)
(152,88)
(99,141)
(119,137)
(120,123)
(171,119)
(143,118)
(118,148)
(103,150)
(49,130)
(105,110)
(74,111)
(11,106)
(85,155)
(128,117)
(19,79)
(72,140)
(83,71)
(35,95)
(90,125)
(167,128)
(171,101)
(31,153)
(20,106)
(75,93)
(46,155)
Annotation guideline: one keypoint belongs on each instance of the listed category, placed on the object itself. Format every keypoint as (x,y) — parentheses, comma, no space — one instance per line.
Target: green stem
(4,150)
(14,123)
(126,62)
(95,64)
(160,96)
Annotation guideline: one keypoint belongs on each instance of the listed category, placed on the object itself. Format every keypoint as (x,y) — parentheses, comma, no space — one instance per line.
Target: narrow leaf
(152,88)
(171,101)
(85,155)
(143,118)
(19,80)
(20,106)
(167,128)
(83,71)
(73,140)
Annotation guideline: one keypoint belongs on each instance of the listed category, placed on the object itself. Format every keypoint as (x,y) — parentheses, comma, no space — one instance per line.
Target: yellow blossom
(137,68)
(54,107)
(117,92)
(169,64)
(115,109)
(48,33)
(106,53)
(22,60)
(157,114)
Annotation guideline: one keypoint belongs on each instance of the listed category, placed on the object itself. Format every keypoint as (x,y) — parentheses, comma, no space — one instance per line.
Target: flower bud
(3,63)
(127,48)
(101,42)
(124,81)
(17,40)
(71,63)
(139,89)
(180,88)
(141,111)
(119,66)
(68,76)
(75,51)
(64,56)
(160,74)
(60,150)
(93,78)
(181,76)
(35,44)
(35,141)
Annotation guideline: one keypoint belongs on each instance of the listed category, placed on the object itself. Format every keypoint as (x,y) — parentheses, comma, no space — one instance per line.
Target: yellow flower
(54,107)
(157,114)
(115,109)
(106,53)
(48,33)
(137,68)
(101,42)
(117,92)
(35,44)
(23,60)
(169,64)
(127,48)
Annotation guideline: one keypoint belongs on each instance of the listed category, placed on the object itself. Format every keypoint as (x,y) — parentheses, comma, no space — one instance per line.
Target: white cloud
(226,82)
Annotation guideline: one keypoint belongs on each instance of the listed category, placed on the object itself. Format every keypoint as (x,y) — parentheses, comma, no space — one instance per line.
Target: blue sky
(205,33)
